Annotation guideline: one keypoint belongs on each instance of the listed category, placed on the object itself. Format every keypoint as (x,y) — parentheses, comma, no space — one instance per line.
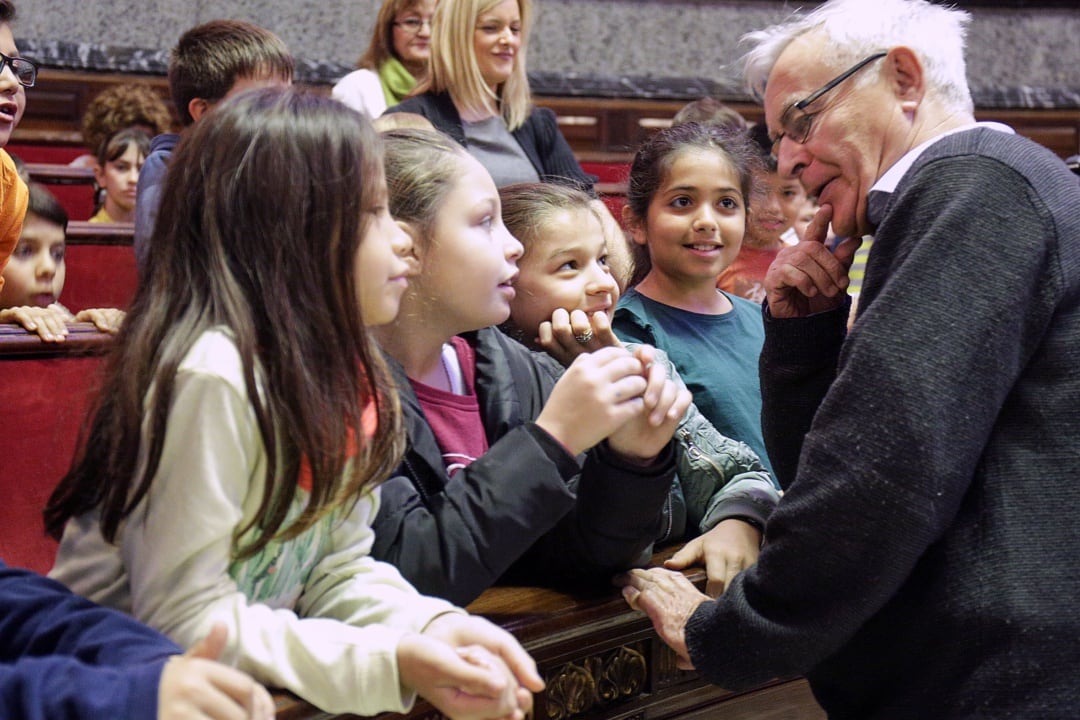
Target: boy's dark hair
(209,59)
(7,11)
(45,205)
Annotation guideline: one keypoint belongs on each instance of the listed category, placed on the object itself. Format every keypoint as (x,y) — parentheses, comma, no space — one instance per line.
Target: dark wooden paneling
(620,125)
(603,661)
(598,129)
(57,102)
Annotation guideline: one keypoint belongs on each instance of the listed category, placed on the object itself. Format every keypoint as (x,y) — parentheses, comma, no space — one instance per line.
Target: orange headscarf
(14,197)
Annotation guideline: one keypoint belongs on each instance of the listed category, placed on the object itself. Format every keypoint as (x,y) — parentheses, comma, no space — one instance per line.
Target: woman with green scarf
(396,58)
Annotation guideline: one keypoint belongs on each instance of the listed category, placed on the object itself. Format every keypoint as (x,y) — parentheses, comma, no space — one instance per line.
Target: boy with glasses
(16,74)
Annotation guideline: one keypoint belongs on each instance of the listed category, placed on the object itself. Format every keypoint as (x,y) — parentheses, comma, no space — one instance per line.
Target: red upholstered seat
(44,393)
(101,269)
(74,190)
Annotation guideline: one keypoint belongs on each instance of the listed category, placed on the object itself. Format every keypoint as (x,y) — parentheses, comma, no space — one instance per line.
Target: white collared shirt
(888,182)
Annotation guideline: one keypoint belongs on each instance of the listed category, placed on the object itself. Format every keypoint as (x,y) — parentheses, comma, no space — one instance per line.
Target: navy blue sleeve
(147,201)
(63,656)
(45,688)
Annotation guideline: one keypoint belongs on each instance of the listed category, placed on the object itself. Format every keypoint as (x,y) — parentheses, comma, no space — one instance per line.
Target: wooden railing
(600,659)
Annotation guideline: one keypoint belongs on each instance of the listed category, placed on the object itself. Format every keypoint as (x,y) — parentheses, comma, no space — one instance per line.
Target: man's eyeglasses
(412,25)
(795,123)
(24,70)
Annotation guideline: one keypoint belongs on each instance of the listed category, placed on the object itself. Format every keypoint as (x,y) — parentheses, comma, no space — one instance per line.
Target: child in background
(245,419)
(775,202)
(686,212)
(209,63)
(34,277)
(119,161)
(492,486)
(119,107)
(565,297)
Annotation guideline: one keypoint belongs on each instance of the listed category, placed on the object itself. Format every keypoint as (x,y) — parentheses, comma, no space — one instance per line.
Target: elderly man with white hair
(922,563)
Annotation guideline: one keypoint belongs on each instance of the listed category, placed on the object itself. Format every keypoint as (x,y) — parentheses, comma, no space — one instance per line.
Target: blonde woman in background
(477,92)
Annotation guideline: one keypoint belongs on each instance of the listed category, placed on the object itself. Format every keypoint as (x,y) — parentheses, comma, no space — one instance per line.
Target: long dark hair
(265,204)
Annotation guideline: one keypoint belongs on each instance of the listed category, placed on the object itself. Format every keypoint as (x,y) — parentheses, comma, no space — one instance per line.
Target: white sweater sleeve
(361,90)
(176,550)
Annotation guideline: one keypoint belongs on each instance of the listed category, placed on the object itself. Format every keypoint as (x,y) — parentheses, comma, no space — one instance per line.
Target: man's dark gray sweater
(923,561)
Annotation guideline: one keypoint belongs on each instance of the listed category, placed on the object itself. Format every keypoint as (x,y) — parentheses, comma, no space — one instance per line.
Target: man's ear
(634,226)
(197,107)
(906,76)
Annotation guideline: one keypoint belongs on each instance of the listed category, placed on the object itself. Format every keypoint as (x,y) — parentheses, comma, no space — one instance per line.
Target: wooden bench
(57,174)
(101,268)
(44,394)
(74,187)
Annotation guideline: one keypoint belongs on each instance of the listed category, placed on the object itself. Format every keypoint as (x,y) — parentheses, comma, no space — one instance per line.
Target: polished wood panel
(83,339)
(598,129)
(603,661)
(57,102)
(59,174)
(620,124)
(87,233)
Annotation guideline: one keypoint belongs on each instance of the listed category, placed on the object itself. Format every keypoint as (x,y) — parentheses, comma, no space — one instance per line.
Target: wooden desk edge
(552,621)
(83,339)
(84,232)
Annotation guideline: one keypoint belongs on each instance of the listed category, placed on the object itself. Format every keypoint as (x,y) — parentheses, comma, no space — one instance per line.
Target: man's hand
(669,599)
(805,279)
